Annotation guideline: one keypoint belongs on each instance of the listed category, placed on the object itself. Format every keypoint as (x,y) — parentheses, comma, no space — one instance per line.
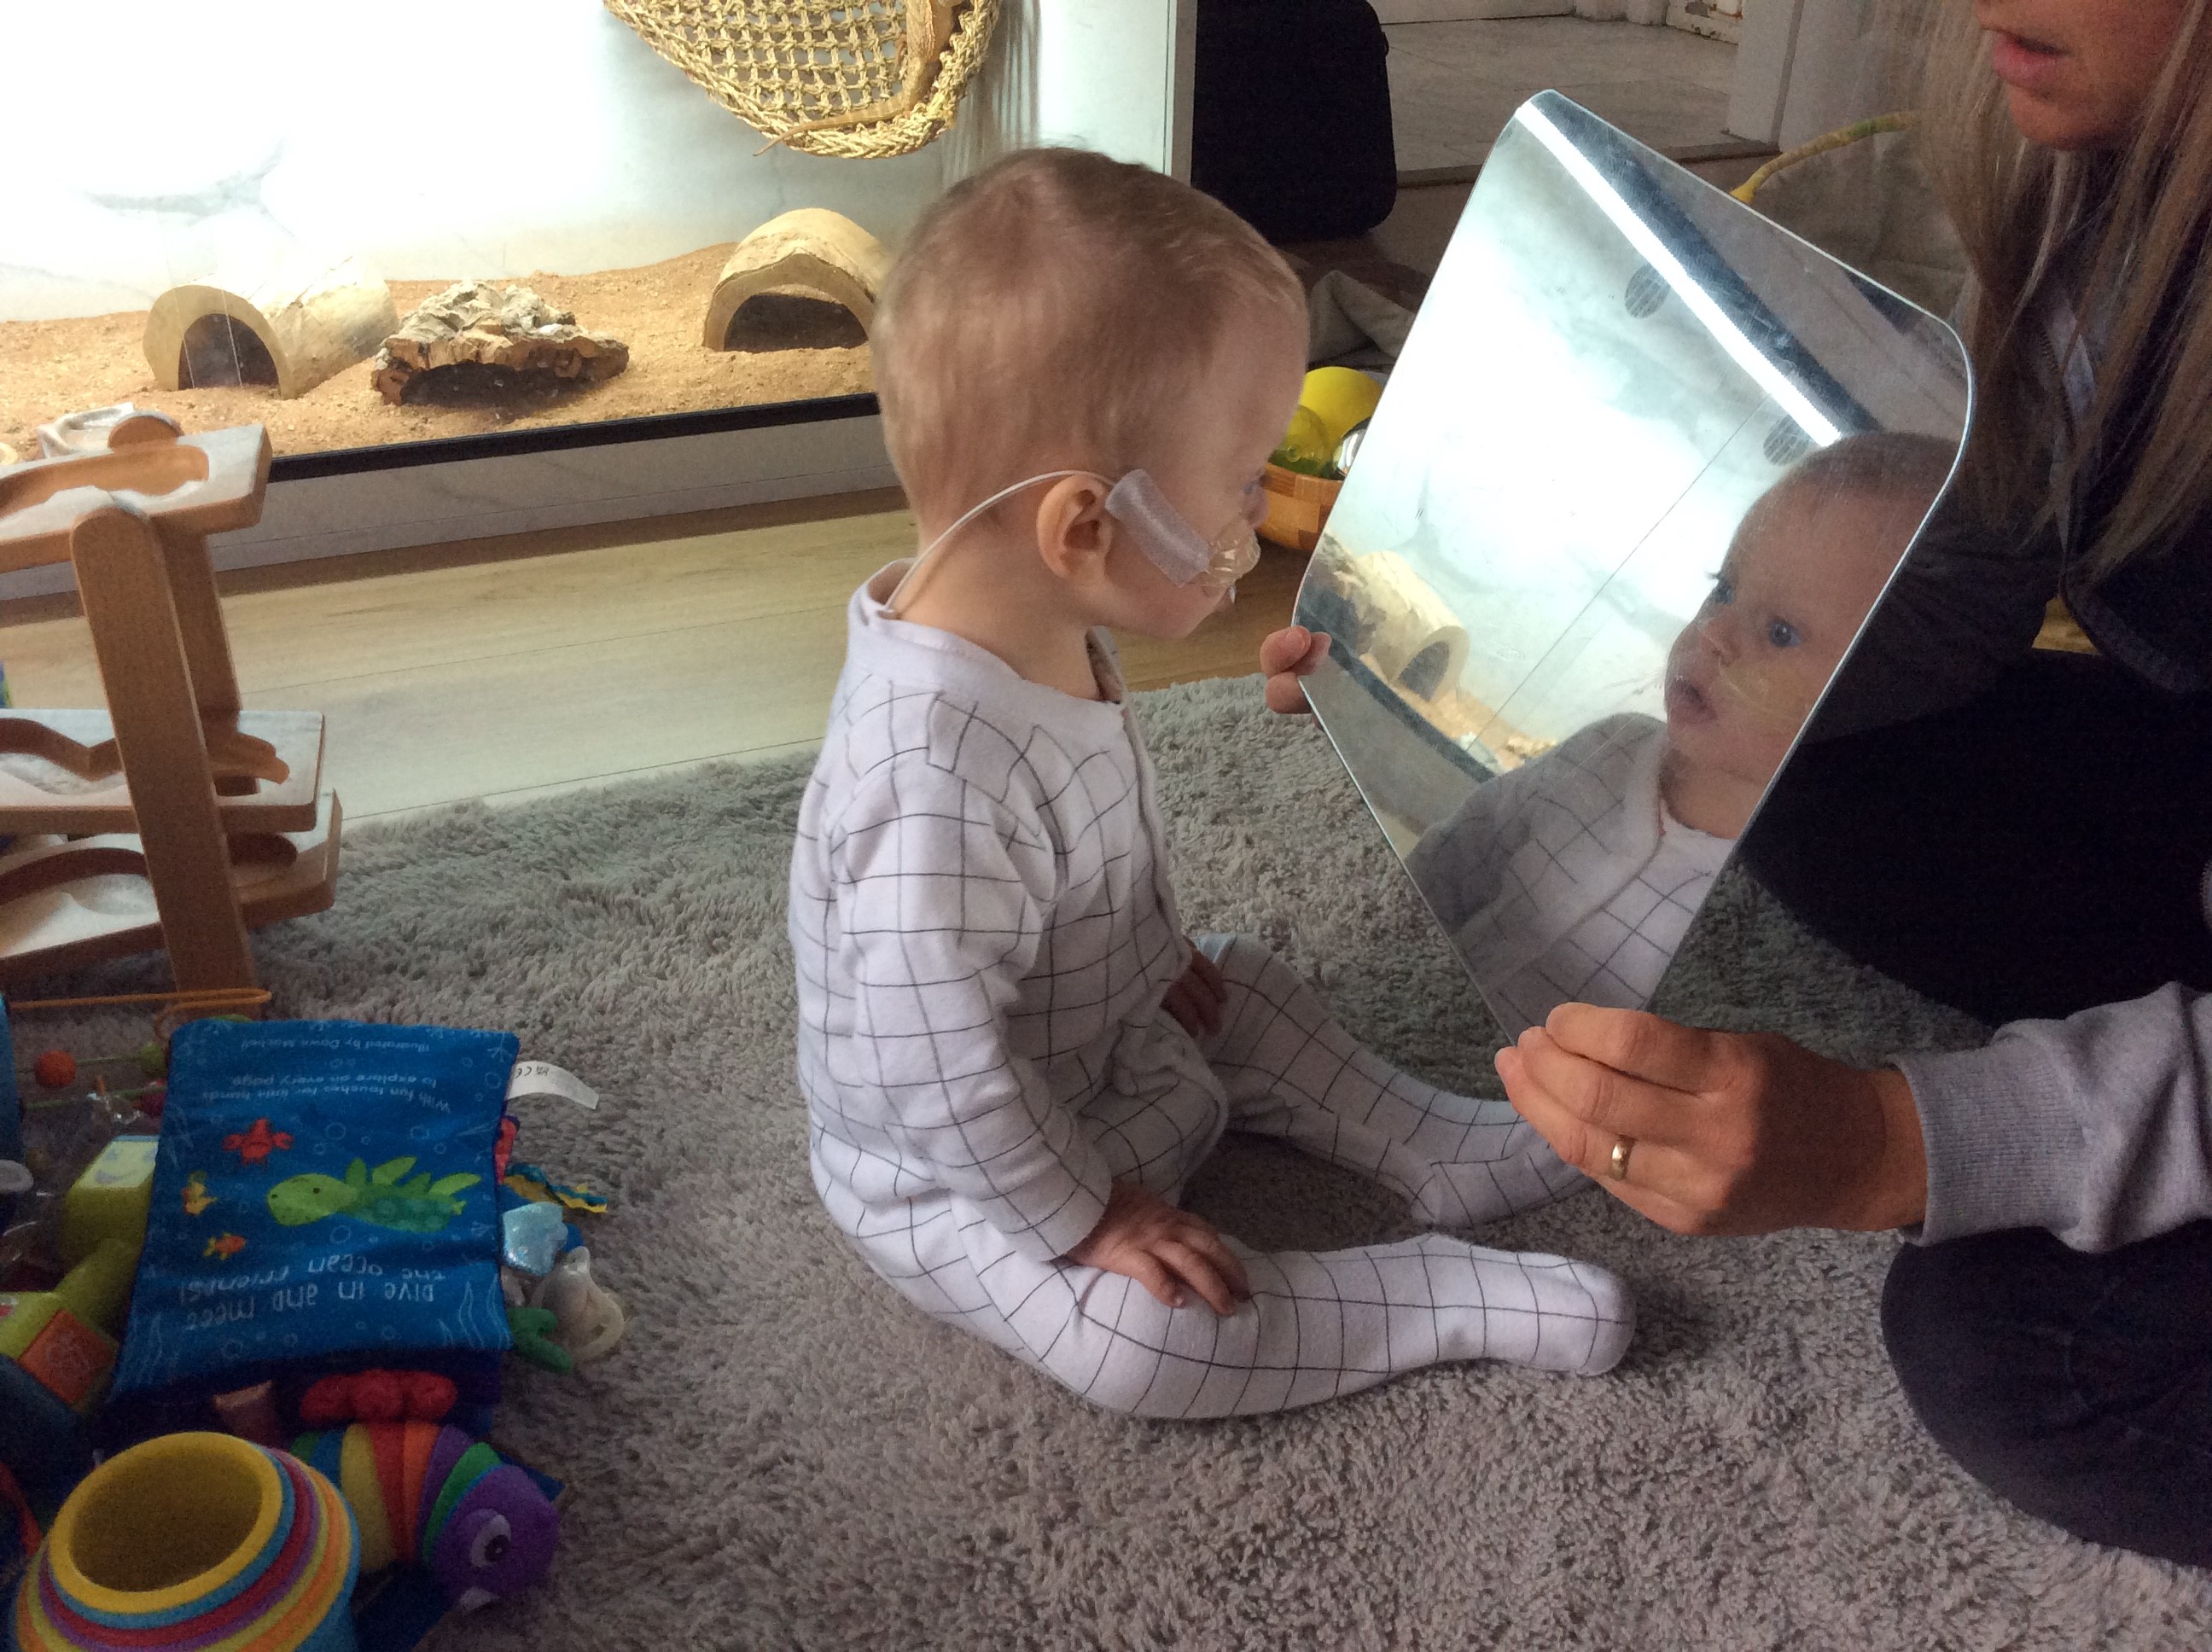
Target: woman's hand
(1730,1132)
(1287,655)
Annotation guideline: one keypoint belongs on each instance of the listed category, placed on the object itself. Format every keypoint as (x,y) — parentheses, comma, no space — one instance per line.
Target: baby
(1574,878)
(1013,1059)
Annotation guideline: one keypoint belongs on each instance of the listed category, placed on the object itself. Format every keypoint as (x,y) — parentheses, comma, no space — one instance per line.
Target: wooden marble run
(175,819)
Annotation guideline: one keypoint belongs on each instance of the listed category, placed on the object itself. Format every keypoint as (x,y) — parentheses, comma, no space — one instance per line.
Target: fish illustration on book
(380,1198)
(225,1245)
(197,1197)
(255,1146)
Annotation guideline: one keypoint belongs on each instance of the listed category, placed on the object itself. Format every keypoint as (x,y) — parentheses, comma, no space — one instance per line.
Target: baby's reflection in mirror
(1574,875)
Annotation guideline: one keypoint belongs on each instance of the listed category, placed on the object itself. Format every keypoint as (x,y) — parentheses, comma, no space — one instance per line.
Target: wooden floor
(505,669)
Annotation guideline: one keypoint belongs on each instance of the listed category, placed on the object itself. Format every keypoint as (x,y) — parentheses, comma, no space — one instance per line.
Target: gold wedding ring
(1618,1168)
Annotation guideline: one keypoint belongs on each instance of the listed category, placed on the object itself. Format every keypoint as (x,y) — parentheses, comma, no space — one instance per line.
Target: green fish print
(379,1198)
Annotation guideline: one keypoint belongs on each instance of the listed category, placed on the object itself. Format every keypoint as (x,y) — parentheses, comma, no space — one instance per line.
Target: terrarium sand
(50,368)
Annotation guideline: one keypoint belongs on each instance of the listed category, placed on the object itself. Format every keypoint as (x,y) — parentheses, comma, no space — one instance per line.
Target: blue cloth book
(323,1189)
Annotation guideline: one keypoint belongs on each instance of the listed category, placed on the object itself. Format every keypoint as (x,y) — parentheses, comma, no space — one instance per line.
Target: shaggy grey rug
(784,1455)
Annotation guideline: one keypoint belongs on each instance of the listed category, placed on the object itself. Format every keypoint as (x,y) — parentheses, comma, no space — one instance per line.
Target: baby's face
(1800,577)
(1214,445)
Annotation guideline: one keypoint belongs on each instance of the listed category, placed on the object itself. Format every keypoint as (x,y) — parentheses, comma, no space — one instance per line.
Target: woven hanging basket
(860,79)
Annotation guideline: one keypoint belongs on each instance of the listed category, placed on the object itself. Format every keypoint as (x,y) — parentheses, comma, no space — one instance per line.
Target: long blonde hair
(2126,231)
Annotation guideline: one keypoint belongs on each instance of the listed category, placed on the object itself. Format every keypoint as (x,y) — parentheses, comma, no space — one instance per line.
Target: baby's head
(1802,572)
(1062,311)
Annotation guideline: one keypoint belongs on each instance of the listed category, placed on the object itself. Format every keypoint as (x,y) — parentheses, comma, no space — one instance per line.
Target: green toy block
(98,1288)
(111,1199)
(65,1338)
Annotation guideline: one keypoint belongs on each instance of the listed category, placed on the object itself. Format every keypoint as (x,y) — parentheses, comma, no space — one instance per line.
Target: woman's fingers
(1628,1040)
(1661,1179)
(1611,1102)
(1572,1136)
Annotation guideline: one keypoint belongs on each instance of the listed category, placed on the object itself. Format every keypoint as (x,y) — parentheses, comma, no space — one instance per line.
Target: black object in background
(2034,853)
(1290,116)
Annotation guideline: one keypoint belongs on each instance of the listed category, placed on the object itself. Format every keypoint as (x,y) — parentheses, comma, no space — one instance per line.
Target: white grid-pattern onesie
(1566,880)
(983,931)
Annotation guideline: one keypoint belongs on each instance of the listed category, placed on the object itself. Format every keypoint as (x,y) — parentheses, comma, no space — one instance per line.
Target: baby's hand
(1198,996)
(1145,1238)
(1287,655)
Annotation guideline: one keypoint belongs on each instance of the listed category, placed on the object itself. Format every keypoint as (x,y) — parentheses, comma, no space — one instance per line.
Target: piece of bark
(811,253)
(510,330)
(294,325)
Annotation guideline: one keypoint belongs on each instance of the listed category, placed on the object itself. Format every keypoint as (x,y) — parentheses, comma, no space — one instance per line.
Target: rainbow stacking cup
(195,1543)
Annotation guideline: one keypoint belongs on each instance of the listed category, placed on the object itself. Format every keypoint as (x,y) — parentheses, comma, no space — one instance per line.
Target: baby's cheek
(1777,692)
(1684,650)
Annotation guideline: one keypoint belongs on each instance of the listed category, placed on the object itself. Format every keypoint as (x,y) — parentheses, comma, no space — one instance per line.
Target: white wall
(1457,12)
(1807,67)
(446,138)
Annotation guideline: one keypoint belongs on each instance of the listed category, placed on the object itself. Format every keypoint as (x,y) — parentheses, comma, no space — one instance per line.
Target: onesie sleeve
(2098,1128)
(946,892)
(1459,863)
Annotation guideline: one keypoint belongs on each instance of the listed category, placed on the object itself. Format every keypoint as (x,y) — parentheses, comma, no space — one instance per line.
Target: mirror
(1644,467)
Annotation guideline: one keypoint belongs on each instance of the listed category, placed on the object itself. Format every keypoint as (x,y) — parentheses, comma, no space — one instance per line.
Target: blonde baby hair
(1894,464)
(1049,311)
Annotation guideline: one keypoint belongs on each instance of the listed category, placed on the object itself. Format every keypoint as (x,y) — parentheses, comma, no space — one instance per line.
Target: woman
(2047,840)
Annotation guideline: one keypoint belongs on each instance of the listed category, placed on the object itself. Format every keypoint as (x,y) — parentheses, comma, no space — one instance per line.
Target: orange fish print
(255,1146)
(197,1197)
(225,1245)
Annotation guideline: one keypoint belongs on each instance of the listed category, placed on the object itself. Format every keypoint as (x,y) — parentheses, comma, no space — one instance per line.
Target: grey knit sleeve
(2098,1128)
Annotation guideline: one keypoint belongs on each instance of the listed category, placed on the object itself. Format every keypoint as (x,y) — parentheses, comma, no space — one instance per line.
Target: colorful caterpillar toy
(423,1492)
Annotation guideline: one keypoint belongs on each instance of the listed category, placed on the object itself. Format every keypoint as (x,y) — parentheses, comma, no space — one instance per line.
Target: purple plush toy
(422,1492)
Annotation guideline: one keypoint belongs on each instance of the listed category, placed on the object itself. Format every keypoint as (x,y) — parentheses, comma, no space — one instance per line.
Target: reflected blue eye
(1723,591)
(1783,635)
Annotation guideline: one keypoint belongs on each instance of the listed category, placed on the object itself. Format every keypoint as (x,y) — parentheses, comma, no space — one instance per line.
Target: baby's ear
(1073,531)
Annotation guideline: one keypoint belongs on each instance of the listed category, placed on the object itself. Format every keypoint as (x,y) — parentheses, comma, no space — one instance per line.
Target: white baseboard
(1700,17)
(476,498)
(1467,11)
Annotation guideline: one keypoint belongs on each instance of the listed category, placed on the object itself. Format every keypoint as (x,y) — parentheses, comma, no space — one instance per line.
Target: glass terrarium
(433,219)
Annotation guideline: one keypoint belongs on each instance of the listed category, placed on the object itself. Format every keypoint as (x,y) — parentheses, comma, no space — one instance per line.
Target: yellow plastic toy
(1308,437)
(110,1199)
(1339,397)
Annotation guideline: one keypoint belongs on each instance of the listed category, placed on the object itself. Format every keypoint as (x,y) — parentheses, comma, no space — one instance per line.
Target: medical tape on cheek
(1168,542)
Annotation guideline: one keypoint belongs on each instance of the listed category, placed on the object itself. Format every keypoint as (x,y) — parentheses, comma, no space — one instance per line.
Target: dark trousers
(2036,852)
(2078,1387)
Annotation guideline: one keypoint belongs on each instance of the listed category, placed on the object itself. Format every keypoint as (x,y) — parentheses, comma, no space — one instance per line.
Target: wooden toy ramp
(174,819)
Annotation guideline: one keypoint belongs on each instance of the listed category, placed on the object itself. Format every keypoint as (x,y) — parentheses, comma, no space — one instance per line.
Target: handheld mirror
(1644,467)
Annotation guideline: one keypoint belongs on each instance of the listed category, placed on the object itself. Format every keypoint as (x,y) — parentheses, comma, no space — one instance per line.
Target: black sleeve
(1967,602)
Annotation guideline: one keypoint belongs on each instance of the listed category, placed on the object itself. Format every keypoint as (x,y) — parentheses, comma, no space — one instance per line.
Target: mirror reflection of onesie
(1573,876)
